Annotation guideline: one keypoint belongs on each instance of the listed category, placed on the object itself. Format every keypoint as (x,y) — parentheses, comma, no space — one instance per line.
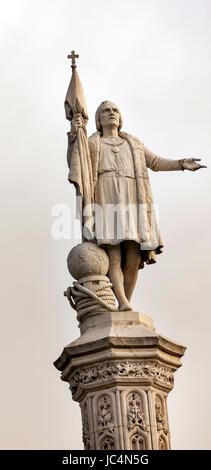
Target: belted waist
(121,172)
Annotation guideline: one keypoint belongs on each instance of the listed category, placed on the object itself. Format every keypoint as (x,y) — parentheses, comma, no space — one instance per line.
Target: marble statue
(110,168)
(120,369)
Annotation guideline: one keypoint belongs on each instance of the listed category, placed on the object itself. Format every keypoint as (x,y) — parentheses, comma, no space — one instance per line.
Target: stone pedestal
(121,370)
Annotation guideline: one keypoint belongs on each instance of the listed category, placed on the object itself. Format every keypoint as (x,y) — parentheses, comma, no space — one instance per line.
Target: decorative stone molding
(138,437)
(115,370)
(135,414)
(85,427)
(162,444)
(137,442)
(108,444)
(104,419)
(161,432)
(121,371)
(160,415)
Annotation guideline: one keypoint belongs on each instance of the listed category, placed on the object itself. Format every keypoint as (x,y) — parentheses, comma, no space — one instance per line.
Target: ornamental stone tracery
(105,418)
(121,369)
(160,415)
(135,414)
(85,428)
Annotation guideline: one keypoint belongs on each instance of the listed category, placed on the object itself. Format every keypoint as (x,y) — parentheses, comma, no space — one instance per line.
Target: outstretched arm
(157,163)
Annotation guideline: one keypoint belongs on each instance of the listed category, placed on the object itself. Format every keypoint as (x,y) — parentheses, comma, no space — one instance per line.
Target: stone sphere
(87,259)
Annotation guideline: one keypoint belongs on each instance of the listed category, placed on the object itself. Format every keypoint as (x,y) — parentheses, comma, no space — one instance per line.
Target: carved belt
(121,172)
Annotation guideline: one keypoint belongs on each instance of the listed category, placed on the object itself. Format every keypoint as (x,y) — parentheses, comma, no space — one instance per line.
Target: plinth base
(121,370)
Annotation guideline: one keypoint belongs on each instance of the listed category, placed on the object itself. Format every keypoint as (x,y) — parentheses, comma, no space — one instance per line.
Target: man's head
(108,115)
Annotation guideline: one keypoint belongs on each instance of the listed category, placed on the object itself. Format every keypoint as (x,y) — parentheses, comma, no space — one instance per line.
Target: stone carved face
(108,115)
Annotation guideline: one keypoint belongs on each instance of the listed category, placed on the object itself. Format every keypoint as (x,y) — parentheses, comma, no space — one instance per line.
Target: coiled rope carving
(84,300)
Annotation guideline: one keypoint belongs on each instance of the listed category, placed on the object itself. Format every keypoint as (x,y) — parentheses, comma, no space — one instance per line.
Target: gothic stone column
(121,370)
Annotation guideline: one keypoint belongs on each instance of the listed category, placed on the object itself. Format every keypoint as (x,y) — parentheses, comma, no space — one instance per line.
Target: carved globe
(87,259)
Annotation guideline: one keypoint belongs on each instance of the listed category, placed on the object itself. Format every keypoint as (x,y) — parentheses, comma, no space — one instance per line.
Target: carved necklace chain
(112,141)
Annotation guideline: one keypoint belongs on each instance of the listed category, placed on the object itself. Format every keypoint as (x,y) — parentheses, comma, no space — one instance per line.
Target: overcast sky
(153,58)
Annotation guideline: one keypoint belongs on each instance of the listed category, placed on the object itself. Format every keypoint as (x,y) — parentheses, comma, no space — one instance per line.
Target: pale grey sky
(153,58)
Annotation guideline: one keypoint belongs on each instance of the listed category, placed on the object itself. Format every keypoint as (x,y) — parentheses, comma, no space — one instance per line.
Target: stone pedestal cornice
(121,370)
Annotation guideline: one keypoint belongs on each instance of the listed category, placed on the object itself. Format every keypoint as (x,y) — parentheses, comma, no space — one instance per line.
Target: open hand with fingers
(191,164)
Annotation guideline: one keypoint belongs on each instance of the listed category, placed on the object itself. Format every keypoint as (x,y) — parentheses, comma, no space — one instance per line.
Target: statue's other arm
(157,163)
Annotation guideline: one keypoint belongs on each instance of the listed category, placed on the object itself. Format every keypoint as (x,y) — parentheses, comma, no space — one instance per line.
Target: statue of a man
(120,165)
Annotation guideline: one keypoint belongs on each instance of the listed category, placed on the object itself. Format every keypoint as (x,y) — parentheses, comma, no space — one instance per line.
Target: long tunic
(120,178)
(119,216)
(116,191)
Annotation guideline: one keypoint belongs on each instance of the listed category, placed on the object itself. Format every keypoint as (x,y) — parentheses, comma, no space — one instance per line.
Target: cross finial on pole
(73,56)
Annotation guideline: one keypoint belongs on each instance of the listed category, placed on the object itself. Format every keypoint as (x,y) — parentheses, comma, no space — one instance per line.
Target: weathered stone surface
(120,370)
(110,168)
(87,259)
(125,417)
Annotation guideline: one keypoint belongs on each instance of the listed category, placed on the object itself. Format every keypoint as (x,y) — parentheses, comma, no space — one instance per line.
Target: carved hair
(97,118)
